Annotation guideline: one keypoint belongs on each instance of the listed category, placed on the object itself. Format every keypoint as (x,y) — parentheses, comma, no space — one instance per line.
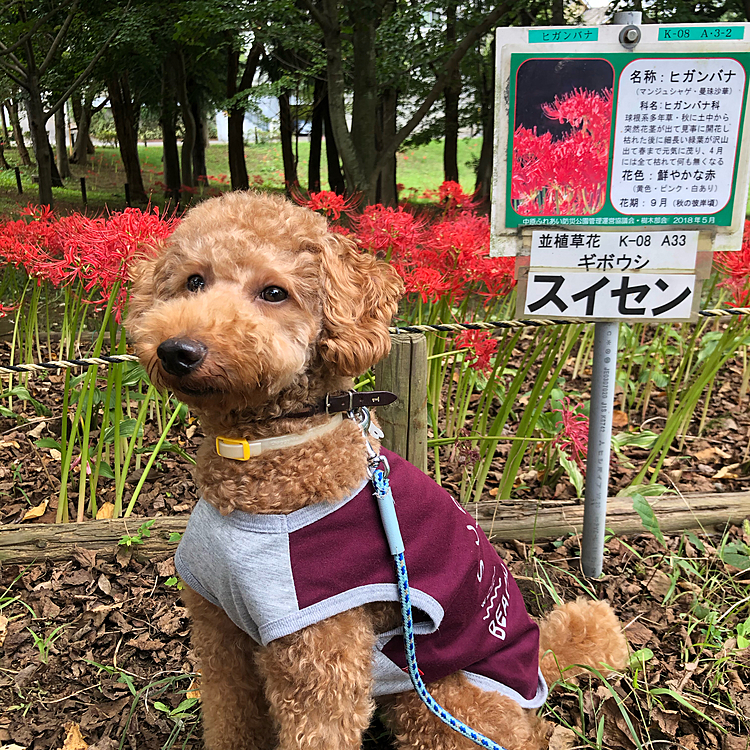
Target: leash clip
(375,461)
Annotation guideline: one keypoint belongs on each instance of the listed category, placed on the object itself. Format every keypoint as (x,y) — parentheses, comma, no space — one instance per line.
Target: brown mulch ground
(113,627)
(101,642)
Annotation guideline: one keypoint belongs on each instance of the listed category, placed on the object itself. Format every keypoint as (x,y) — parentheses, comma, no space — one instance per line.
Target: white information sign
(614,251)
(676,135)
(610,296)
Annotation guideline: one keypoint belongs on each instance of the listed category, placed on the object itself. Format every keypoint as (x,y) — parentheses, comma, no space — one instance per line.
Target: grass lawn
(420,171)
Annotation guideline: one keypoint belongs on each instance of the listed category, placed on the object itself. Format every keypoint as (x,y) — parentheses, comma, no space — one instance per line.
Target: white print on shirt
(498,623)
(497,626)
(480,573)
(492,590)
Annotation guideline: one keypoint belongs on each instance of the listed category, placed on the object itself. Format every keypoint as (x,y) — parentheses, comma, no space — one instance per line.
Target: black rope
(116,359)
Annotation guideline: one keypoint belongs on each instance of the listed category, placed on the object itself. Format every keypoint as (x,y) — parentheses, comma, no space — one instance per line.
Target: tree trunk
(42,149)
(82,112)
(316,137)
(336,181)
(4,122)
(365,86)
(3,162)
(354,175)
(188,121)
(15,121)
(199,147)
(485,165)
(286,132)
(125,115)
(171,153)
(558,18)
(451,97)
(387,192)
(236,124)
(61,144)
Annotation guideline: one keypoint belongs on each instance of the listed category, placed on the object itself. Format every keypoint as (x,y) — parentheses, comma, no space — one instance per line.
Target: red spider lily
(573,439)
(482,349)
(390,232)
(452,195)
(736,266)
(331,204)
(94,253)
(448,259)
(567,176)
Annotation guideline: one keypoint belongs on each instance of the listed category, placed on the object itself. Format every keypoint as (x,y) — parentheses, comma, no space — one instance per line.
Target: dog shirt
(276,574)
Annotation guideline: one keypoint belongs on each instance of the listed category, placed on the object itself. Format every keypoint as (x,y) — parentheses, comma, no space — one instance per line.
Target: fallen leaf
(166,568)
(106,511)
(36,512)
(104,585)
(55,454)
(36,433)
(562,739)
(73,738)
(732,742)
(86,557)
(8,444)
(727,472)
(194,691)
(12,747)
(638,634)
(3,629)
(619,418)
(707,454)
(659,584)
(668,721)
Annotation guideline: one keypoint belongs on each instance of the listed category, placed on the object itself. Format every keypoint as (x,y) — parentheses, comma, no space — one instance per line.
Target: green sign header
(701,33)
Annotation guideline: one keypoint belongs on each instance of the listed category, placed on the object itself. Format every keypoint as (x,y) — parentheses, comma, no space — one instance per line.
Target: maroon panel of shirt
(485,628)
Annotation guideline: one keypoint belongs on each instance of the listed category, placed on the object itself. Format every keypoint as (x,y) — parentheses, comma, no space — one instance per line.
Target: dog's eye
(195,283)
(273,294)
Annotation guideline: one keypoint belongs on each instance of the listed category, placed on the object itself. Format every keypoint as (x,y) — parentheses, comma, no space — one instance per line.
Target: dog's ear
(142,286)
(361,296)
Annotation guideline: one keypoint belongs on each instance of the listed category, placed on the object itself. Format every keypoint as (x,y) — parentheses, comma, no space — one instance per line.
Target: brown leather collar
(346,401)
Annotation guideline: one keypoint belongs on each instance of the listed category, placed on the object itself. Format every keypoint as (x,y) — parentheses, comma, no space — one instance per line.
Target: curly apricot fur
(310,690)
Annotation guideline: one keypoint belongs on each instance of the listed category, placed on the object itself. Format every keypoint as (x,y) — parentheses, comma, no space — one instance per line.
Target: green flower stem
(537,400)
(151,460)
(140,419)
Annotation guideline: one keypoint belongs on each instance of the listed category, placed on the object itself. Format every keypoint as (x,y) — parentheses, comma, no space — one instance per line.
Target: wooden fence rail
(501,520)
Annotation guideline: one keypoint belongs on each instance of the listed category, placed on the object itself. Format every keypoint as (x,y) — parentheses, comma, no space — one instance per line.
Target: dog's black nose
(181,356)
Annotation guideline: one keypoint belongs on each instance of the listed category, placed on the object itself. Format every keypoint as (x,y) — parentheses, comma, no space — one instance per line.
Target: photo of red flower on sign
(561,139)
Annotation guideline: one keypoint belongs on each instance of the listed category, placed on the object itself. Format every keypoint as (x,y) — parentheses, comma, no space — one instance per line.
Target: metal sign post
(622,161)
(598,454)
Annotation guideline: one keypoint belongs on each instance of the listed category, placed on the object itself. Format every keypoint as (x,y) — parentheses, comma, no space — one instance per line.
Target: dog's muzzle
(181,356)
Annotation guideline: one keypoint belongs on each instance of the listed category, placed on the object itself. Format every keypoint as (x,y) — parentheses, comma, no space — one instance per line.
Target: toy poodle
(258,317)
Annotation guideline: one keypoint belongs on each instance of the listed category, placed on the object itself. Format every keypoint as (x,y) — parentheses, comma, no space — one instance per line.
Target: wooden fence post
(404,372)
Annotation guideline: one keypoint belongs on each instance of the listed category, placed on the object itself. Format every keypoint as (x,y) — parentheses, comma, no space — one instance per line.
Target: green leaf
(684,702)
(644,439)
(23,394)
(48,443)
(742,562)
(174,537)
(648,517)
(639,658)
(105,470)
(697,543)
(134,374)
(572,470)
(127,427)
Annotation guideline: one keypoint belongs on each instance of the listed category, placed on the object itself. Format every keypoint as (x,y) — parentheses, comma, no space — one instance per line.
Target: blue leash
(379,477)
